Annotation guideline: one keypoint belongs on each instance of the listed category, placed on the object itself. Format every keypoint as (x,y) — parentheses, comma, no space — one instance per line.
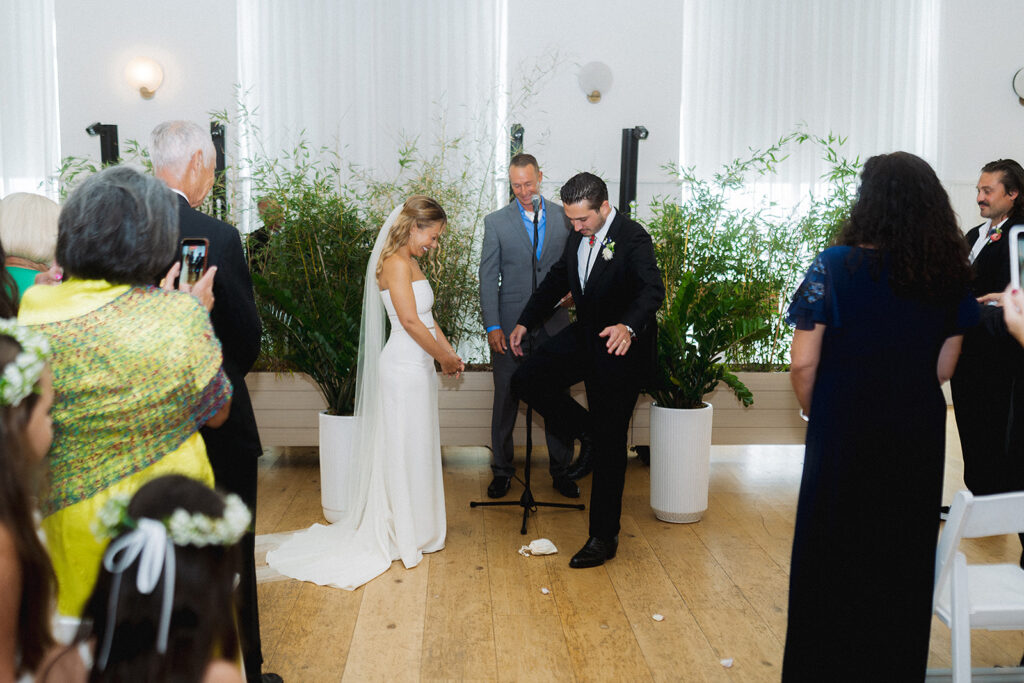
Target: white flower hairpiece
(20,377)
(150,543)
(183,527)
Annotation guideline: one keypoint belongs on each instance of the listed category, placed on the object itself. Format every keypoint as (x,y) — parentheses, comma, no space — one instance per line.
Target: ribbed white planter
(680,462)
(336,432)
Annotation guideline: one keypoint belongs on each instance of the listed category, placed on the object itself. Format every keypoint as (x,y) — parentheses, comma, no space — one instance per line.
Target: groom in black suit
(608,265)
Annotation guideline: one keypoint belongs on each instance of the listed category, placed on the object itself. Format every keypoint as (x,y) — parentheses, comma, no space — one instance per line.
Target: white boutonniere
(608,253)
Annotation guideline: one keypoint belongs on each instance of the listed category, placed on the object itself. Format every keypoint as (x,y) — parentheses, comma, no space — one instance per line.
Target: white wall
(193,40)
(980,118)
(640,42)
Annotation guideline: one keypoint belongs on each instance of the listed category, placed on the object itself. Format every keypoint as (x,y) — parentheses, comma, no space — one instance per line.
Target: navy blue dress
(867,518)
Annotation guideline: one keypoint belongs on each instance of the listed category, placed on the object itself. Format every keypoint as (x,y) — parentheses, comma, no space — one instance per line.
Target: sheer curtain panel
(29,123)
(365,77)
(753,71)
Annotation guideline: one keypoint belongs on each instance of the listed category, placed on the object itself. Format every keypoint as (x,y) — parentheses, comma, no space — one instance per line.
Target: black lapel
(601,262)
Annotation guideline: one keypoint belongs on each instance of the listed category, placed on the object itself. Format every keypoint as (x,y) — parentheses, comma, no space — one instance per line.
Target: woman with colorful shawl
(136,369)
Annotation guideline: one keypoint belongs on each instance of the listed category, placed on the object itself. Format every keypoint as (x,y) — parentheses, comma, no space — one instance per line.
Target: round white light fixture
(145,75)
(1018,84)
(595,79)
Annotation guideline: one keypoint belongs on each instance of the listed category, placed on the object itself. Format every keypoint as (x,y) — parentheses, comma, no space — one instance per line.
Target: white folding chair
(978,596)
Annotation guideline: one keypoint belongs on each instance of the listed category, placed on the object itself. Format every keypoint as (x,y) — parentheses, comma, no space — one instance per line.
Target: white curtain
(29,122)
(366,76)
(753,71)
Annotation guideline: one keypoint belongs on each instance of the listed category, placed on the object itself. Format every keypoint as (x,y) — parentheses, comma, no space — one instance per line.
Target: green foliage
(309,276)
(459,182)
(728,271)
(73,170)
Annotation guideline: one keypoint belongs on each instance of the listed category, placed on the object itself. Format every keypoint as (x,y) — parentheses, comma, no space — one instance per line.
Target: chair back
(973,516)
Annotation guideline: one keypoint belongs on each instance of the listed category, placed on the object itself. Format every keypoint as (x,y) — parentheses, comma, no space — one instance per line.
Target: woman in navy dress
(879,320)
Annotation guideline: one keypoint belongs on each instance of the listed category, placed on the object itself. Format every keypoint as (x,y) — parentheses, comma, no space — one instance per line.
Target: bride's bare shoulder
(395,271)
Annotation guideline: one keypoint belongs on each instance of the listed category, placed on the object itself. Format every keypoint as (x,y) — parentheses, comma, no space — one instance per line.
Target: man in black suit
(184,158)
(608,265)
(988,385)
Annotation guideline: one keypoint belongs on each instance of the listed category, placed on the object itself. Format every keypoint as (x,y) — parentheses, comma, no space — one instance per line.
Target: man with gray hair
(184,158)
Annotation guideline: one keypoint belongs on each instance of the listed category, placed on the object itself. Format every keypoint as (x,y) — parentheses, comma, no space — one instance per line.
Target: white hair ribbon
(148,544)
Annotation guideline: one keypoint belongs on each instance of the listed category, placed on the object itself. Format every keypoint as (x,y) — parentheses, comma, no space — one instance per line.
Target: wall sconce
(1018,84)
(595,79)
(145,75)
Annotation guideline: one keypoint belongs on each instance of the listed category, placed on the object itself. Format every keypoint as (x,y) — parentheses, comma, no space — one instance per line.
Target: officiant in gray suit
(505,287)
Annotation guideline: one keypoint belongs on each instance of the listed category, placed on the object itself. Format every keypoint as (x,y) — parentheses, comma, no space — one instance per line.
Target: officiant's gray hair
(172,144)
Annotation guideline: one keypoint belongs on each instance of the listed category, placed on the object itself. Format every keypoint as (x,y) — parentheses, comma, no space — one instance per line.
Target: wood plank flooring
(477,611)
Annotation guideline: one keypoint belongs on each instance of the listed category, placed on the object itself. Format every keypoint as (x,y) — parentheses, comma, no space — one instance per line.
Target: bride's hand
(451,364)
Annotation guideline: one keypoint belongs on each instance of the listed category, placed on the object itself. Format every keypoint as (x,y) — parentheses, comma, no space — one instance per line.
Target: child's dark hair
(202,626)
(16,481)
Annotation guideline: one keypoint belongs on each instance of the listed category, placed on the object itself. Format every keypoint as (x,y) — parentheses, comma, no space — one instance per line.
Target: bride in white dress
(396,497)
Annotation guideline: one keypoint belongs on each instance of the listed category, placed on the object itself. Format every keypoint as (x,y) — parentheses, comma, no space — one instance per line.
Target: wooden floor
(480,611)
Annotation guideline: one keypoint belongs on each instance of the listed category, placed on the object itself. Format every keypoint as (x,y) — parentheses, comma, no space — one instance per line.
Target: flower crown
(20,376)
(183,528)
(150,542)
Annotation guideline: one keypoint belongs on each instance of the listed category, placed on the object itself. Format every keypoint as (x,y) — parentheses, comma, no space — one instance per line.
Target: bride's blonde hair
(419,211)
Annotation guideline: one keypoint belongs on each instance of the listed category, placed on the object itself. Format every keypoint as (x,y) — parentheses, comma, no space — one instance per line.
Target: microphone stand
(527,501)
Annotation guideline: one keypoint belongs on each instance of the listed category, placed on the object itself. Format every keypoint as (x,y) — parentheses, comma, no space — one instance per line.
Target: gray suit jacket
(505,261)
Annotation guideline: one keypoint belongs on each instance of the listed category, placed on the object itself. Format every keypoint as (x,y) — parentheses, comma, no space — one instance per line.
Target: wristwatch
(632,334)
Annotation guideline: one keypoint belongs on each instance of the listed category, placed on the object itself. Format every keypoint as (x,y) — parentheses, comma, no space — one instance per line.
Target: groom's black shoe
(595,552)
(566,486)
(499,486)
(584,464)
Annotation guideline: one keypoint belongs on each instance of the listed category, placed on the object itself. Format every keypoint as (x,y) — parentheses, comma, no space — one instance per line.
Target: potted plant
(727,272)
(702,322)
(308,273)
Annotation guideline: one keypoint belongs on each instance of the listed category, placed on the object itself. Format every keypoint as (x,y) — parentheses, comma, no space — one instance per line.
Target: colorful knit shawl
(132,381)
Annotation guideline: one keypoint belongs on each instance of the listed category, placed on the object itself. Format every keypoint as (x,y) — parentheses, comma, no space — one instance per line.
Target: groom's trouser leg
(542,379)
(503,419)
(611,400)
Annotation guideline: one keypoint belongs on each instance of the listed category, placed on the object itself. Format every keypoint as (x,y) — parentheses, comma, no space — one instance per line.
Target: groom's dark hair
(584,186)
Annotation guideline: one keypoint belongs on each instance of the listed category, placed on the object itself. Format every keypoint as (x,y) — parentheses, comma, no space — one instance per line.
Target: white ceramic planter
(336,433)
(680,462)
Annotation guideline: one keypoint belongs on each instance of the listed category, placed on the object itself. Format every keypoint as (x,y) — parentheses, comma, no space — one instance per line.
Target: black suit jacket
(990,340)
(236,323)
(992,266)
(625,288)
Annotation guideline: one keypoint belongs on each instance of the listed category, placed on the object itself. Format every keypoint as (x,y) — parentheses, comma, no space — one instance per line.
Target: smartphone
(1016,254)
(194,254)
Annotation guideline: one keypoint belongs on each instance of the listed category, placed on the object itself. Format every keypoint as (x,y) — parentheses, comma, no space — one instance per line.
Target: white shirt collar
(603,232)
(983,239)
(182,194)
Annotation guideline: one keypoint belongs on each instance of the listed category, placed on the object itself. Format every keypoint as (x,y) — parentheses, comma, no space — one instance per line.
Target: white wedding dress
(403,513)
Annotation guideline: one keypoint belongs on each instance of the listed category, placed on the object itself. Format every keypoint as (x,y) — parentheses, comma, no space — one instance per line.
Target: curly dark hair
(903,211)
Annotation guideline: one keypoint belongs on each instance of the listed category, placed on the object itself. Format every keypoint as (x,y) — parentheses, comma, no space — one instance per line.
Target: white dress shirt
(587,255)
(982,240)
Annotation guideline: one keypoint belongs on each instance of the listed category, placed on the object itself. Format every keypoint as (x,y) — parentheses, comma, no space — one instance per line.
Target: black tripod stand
(526,500)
